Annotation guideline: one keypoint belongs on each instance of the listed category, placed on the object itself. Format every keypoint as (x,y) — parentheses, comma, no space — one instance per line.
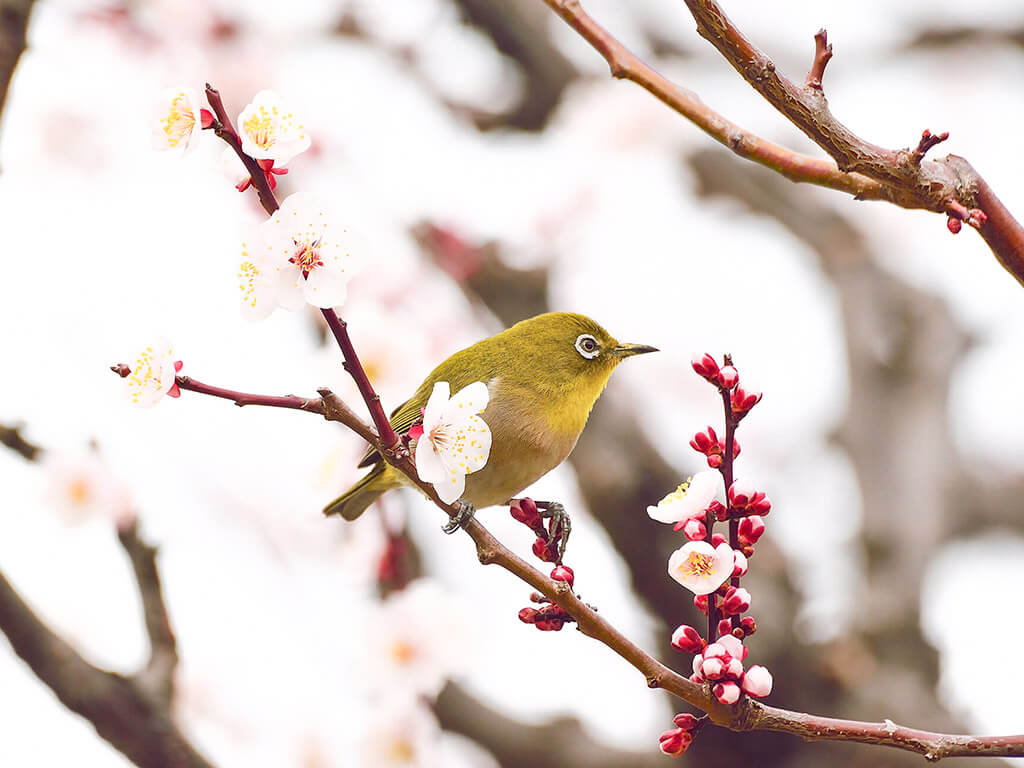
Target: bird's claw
(559,527)
(464,515)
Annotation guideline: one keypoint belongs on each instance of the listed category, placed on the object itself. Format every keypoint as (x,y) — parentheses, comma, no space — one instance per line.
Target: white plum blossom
(233,168)
(690,499)
(82,488)
(152,375)
(700,567)
(177,121)
(455,440)
(269,131)
(401,732)
(417,640)
(298,256)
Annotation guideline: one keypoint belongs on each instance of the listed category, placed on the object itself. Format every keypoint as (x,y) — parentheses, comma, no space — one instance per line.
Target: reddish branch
(862,169)
(822,54)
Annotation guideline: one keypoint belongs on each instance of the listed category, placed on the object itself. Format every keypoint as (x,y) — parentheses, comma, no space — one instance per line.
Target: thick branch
(11,437)
(121,712)
(14,16)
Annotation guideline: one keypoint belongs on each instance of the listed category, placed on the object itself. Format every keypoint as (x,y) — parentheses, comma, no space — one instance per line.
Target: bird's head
(572,350)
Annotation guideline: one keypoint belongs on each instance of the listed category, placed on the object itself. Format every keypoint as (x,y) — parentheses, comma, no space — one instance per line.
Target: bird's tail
(353,502)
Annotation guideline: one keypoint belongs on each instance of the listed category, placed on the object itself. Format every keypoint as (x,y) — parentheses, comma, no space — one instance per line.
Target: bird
(543,376)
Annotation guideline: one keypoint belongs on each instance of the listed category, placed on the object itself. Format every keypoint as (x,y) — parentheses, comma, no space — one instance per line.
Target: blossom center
(403,652)
(439,436)
(78,491)
(401,751)
(260,127)
(307,256)
(698,564)
(680,493)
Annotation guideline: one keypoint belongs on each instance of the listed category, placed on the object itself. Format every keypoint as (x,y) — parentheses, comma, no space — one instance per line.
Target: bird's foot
(464,515)
(559,527)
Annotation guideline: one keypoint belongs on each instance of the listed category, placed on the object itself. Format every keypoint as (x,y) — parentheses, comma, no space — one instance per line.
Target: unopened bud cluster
(712,564)
(674,741)
(550,617)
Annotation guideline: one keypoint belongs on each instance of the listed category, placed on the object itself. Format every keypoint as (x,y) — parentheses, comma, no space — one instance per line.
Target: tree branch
(864,170)
(14,15)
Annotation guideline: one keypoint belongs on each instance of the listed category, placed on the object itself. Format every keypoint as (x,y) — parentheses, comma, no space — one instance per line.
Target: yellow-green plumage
(542,384)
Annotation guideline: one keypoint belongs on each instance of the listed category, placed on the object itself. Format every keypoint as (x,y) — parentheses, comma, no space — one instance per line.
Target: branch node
(928,140)
(822,54)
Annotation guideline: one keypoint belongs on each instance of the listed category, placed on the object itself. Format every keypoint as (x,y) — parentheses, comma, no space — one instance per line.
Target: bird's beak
(628,350)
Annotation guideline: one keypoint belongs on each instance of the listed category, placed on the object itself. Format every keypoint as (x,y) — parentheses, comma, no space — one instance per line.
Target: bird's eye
(587,346)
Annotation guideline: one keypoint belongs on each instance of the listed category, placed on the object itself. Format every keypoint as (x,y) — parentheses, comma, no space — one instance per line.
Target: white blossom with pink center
(298,256)
(152,375)
(270,131)
(700,567)
(455,441)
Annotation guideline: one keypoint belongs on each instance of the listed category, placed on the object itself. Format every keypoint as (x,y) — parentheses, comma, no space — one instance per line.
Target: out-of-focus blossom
(297,256)
(417,640)
(690,499)
(455,440)
(177,120)
(270,131)
(82,488)
(151,375)
(700,567)
(401,732)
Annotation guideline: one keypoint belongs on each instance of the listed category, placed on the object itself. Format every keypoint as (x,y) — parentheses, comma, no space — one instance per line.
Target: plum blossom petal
(152,375)
(690,499)
(700,567)
(270,131)
(455,441)
(177,120)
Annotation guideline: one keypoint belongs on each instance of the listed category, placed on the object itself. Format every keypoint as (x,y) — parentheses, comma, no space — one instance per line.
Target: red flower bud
(543,551)
(714,461)
(674,742)
(563,573)
(528,615)
(523,510)
(728,377)
(737,600)
(718,510)
(750,530)
(724,627)
(705,365)
(716,539)
(687,639)
(694,529)
(743,400)
(727,693)
(686,721)
(953,225)
(748,625)
(205,118)
(700,602)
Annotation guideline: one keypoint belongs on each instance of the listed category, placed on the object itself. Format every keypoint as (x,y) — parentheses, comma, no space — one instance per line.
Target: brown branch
(745,716)
(864,170)
(157,677)
(14,15)
(822,54)
(11,438)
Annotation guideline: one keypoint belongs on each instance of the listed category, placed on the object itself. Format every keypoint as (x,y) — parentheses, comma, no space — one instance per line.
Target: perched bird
(543,376)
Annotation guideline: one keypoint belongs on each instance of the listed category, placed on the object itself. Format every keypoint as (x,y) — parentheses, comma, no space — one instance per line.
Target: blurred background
(496,171)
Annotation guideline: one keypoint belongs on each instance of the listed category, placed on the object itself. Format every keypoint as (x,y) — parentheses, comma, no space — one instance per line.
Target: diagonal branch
(862,169)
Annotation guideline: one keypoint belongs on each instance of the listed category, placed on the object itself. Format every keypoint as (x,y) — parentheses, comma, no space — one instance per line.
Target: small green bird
(543,376)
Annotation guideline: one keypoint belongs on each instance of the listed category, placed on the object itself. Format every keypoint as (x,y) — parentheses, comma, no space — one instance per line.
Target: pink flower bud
(702,442)
(727,693)
(758,681)
(696,677)
(733,669)
(700,602)
(714,460)
(728,377)
(717,539)
(724,627)
(686,721)
(528,615)
(748,625)
(740,565)
(712,669)
(205,118)
(718,510)
(705,365)
(733,647)
(750,530)
(695,530)
(687,639)
(673,743)
(740,493)
(563,573)
(743,400)
(737,600)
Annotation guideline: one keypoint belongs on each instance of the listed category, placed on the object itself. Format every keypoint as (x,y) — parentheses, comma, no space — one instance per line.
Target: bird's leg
(560,524)
(465,514)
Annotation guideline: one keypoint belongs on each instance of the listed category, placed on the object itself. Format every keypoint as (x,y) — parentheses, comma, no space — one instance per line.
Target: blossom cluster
(710,564)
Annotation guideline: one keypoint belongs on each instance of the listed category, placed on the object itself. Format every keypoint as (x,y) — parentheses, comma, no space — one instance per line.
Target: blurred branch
(864,170)
(11,437)
(14,15)
(132,713)
(558,743)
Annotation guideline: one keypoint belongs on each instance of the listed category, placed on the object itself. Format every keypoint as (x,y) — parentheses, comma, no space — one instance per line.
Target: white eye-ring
(587,346)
